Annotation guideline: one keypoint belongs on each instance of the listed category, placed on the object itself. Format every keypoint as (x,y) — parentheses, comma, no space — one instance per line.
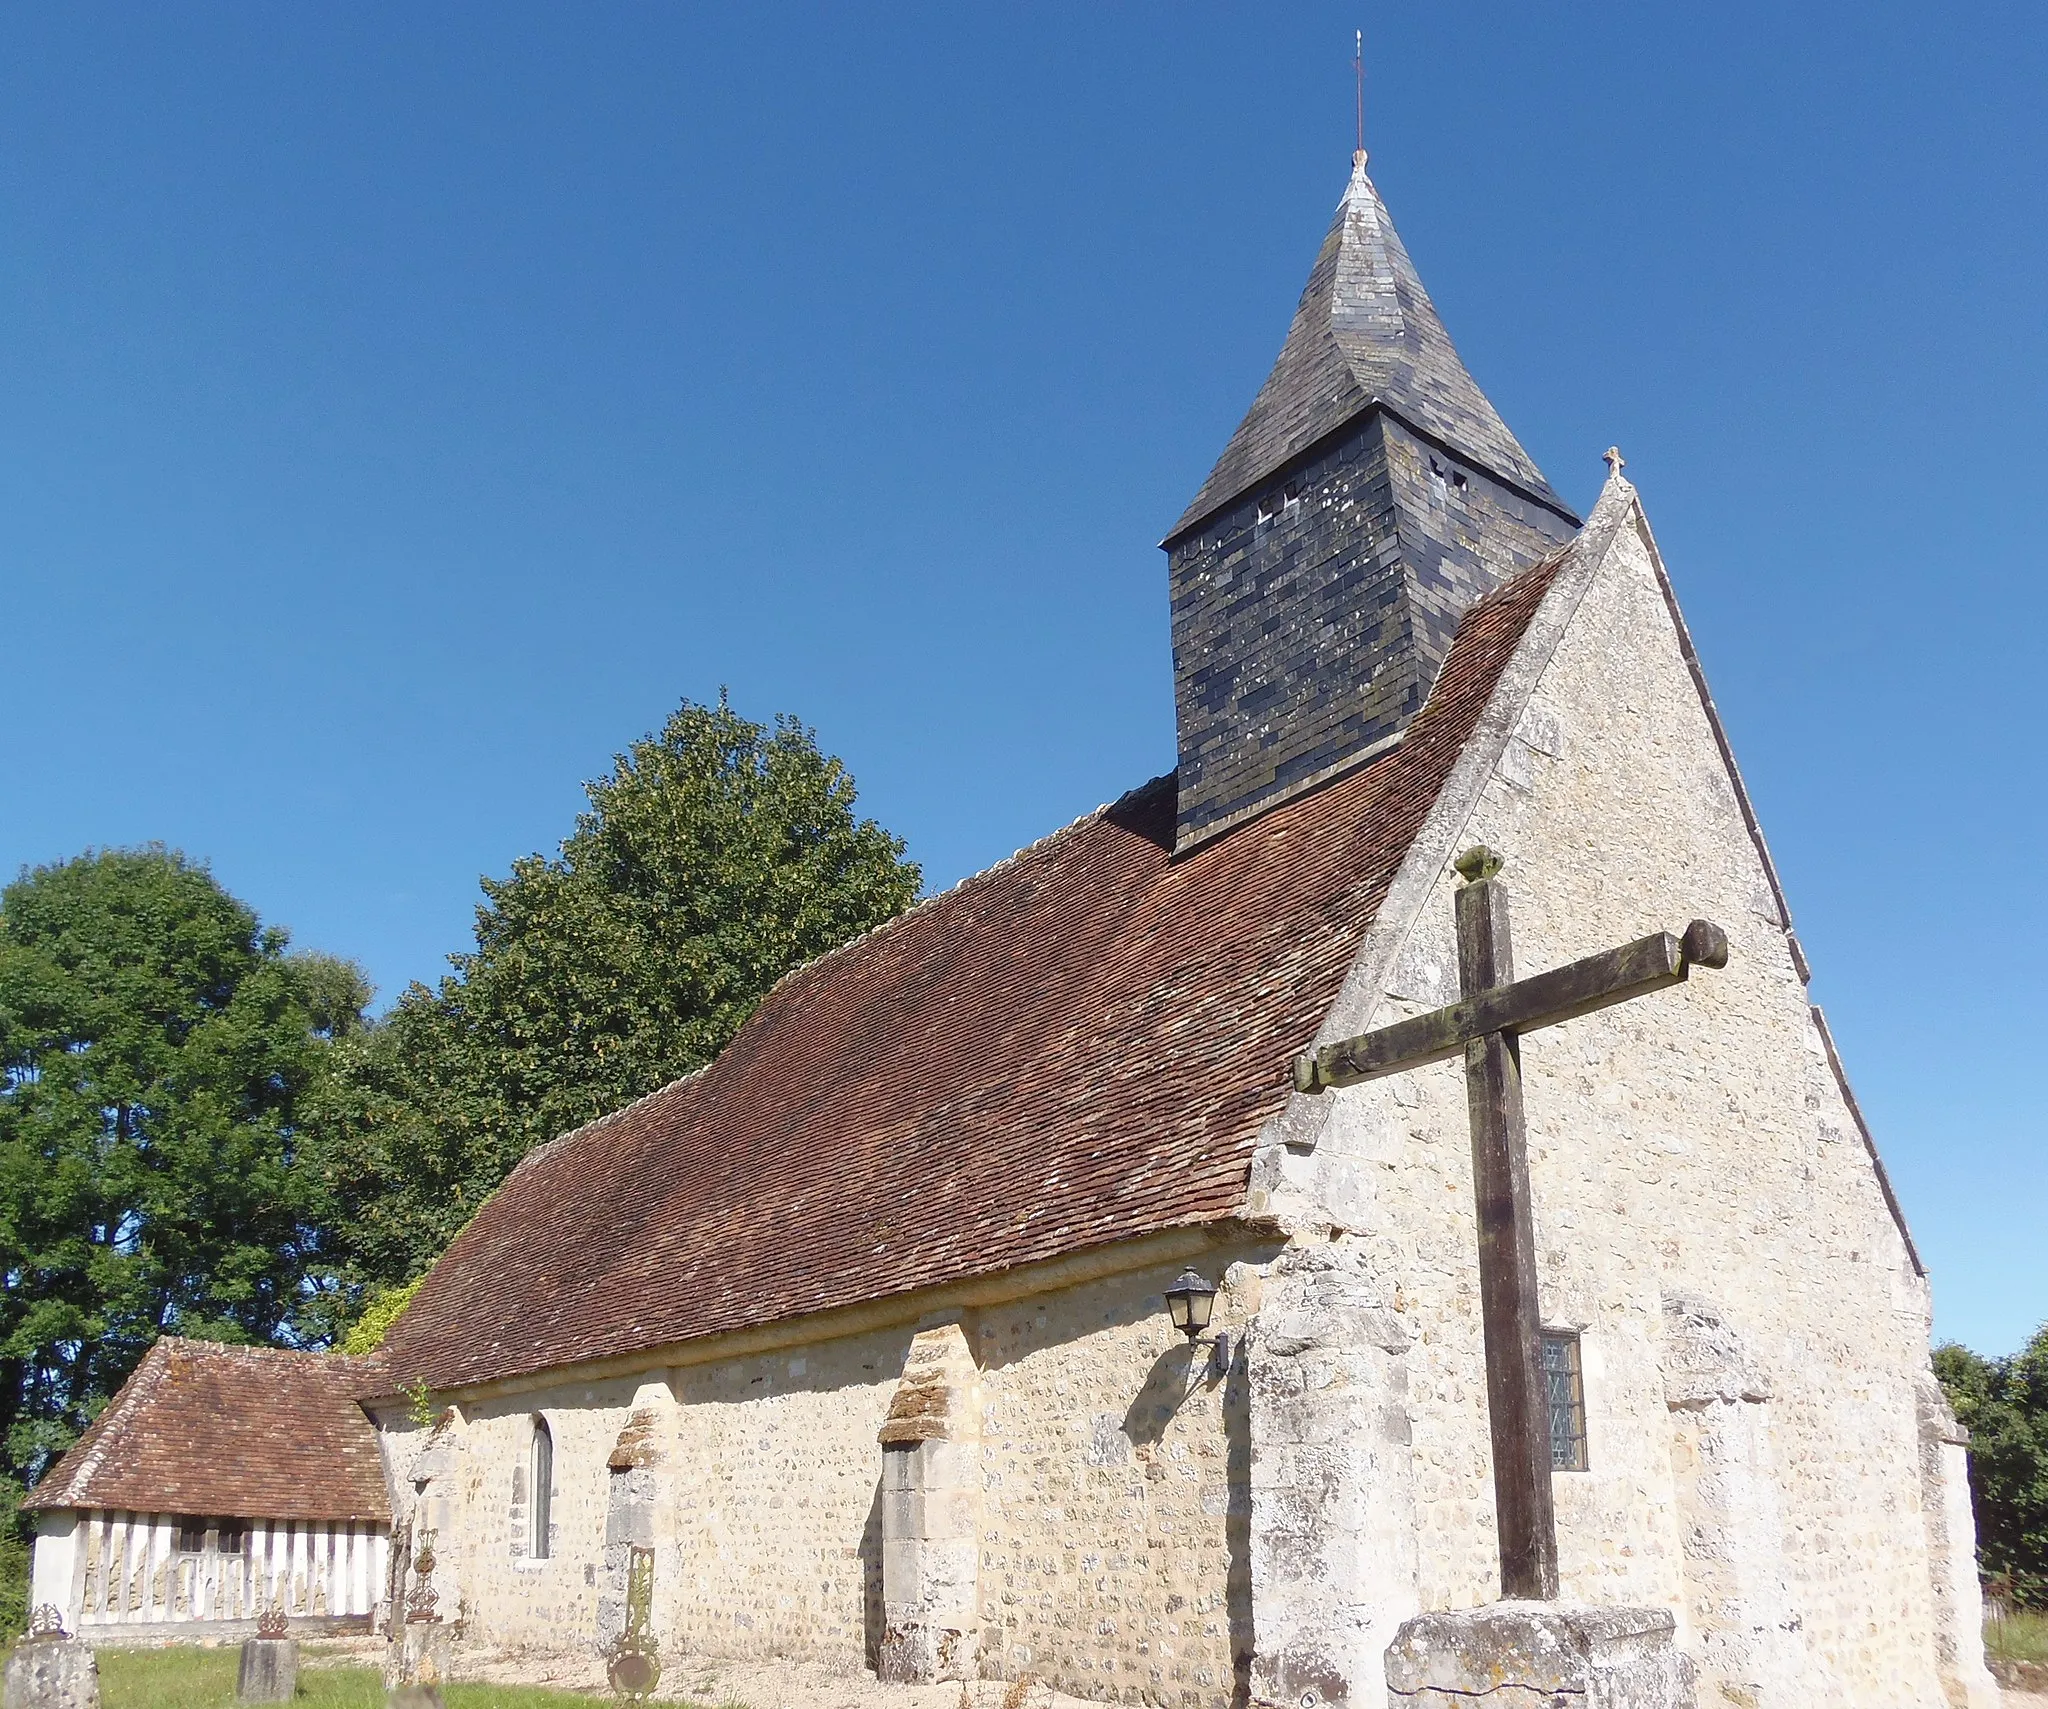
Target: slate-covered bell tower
(1370,495)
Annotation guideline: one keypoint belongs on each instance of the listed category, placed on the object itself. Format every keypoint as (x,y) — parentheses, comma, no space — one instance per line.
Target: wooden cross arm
(1542,1000)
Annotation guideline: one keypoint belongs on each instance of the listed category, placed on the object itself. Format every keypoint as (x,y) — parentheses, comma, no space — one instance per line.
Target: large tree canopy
(156,1047)
(2003,1403)
(715,857)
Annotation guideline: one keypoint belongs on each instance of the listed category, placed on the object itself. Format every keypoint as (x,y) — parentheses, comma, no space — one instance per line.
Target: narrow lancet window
(543,1470)
(1566,1389)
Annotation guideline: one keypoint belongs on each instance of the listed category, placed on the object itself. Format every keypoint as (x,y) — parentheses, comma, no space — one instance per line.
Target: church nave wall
(1109,1477)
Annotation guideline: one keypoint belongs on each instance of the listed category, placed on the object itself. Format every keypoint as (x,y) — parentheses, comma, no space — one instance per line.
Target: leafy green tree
(156,1046)
(2003,1403)
(716,856)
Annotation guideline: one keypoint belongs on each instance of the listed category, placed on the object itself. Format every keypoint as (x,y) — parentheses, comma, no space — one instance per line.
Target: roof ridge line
(597,1122)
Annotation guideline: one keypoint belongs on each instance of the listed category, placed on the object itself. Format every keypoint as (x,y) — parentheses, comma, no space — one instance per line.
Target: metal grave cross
(1485,1026)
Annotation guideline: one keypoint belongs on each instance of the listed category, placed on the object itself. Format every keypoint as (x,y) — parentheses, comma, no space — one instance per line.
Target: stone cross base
(52,1673)
(270,1671)
(1539,1655)
(421,1653)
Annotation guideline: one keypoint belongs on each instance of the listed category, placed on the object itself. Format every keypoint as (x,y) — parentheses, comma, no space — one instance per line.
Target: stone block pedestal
(52,1673)
(422,1653)
(270,1670)
(1539,1655)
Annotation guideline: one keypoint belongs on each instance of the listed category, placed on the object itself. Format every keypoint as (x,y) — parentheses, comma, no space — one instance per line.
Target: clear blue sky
(404,406)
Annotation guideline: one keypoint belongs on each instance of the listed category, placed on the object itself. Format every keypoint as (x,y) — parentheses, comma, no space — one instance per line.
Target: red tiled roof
(229,1432)
(1077,1046)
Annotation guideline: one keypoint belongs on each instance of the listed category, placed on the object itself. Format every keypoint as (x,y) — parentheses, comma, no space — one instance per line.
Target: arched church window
(543,1473)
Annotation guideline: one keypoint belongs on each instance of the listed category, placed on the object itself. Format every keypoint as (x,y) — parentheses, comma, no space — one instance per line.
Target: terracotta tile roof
(1077,1046)
(229,1432)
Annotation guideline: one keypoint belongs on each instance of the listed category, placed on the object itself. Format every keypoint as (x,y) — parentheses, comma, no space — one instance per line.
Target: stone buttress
(931,1503)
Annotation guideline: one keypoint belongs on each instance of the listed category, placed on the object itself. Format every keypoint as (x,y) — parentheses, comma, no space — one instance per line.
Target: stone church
(874,1343)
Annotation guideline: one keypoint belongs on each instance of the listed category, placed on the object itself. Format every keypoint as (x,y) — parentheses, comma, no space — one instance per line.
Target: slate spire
(1370,494)
(1364,333)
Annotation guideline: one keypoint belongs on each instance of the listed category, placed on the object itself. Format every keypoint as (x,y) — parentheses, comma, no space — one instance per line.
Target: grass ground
(2021,1637)
(205,1679)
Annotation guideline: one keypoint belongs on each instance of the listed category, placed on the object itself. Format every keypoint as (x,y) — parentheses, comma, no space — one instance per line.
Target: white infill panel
(95,1567)
(163,1568)
(133,1585)
(51,1576)
(119,1527)
(263,1565)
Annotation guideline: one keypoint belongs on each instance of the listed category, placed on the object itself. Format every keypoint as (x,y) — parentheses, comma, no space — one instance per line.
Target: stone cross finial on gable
(1614,460)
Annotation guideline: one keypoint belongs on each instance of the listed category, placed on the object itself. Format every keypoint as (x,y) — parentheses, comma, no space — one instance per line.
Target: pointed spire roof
(1365,333)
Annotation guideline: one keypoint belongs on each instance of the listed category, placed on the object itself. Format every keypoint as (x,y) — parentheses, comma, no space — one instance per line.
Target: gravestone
(270,1662)
(414,1697)
(49,1670)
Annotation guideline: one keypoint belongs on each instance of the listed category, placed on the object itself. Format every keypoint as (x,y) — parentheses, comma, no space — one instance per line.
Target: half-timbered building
(218,1483)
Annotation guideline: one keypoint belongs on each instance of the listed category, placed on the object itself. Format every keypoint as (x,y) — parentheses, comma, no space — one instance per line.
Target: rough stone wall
(1310,619)
(1690,1144)
(1115,1507)
(1112,1555)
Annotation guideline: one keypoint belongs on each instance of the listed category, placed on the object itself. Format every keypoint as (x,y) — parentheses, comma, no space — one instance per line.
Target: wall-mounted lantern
(1189,1302)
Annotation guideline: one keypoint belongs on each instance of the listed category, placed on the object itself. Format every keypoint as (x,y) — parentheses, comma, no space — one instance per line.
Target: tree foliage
(381,1307)
(2003,1403)
(157,1047)
(717,855)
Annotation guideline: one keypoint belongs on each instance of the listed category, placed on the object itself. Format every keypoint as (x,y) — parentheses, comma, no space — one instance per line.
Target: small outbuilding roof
(211,1430)
(1078,1046)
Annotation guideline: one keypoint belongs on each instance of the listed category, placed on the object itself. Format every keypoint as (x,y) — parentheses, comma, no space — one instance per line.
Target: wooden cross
(1485,1026)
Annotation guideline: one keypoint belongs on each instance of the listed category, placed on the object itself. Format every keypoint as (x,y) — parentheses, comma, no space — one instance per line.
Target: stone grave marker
(270,1661)
(50,1669)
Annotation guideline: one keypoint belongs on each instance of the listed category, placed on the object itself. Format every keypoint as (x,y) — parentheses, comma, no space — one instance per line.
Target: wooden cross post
(1485,1026)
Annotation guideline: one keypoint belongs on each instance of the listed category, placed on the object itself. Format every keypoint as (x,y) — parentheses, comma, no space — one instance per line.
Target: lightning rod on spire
(1358,72)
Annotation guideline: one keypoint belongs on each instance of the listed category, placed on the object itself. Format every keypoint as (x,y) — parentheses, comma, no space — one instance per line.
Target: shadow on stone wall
(1237,1522)
(1174,1378)
(871,1581)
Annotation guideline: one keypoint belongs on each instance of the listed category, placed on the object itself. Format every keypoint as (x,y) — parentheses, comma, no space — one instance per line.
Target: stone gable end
(1693,1145)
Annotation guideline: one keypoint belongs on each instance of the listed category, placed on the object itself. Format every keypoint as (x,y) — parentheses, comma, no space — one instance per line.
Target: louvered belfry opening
(1370,495)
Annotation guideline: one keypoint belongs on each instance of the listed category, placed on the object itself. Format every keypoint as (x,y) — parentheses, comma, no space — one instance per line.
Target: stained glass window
(1565,1389)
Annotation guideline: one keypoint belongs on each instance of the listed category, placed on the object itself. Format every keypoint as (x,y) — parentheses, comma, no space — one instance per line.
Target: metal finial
(1476,863)
(1614,460)
(1358,70)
